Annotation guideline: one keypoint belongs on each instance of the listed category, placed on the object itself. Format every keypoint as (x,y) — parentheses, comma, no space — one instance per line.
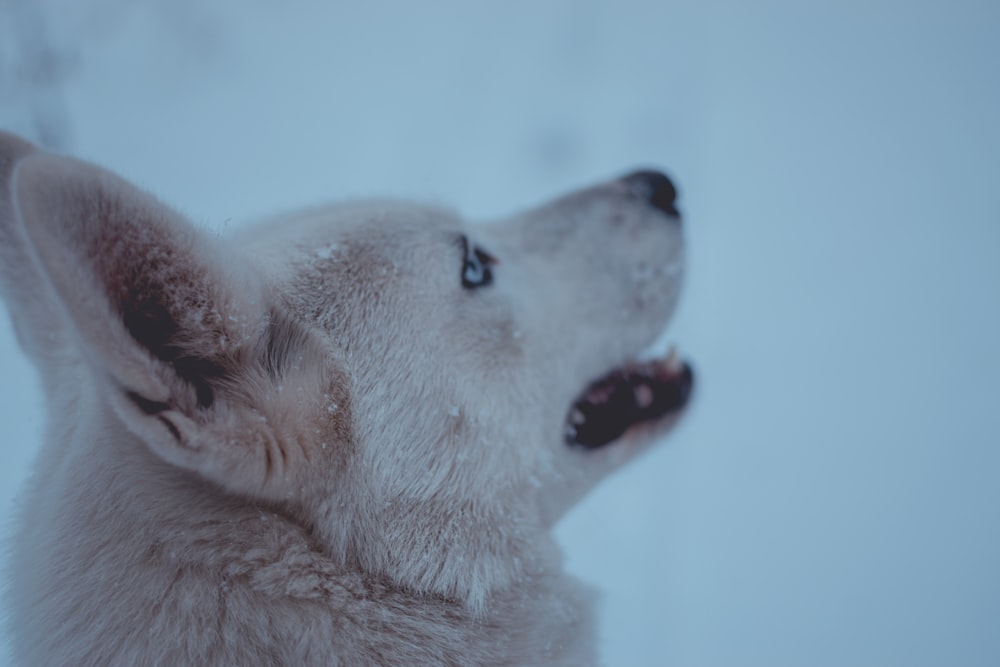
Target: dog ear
(20,284)
(158,312)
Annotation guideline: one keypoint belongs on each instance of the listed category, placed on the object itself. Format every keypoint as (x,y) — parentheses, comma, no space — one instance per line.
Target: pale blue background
(833,497)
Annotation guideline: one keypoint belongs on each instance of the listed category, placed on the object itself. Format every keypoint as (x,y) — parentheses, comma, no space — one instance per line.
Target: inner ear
(192,349)
(154,302)
(147,318)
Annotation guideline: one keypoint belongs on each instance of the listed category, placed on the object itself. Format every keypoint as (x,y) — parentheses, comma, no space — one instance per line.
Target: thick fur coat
(339,437)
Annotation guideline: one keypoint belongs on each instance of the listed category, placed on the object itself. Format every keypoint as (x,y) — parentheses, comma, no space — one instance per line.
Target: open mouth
(626,397)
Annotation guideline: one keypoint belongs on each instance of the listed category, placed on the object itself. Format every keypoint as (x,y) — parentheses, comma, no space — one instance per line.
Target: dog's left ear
(159,312)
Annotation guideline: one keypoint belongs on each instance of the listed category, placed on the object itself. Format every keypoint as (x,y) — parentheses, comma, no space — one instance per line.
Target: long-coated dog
(338,438)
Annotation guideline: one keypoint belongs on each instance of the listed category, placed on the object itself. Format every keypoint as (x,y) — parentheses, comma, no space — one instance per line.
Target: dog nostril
(655,188)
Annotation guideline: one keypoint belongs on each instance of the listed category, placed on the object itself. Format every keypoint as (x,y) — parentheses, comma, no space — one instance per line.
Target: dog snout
(654,187)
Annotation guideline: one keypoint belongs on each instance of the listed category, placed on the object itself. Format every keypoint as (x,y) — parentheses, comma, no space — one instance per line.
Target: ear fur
(156,309)
(21,285)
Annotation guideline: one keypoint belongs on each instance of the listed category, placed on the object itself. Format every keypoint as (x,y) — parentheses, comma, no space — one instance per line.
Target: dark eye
(476,268)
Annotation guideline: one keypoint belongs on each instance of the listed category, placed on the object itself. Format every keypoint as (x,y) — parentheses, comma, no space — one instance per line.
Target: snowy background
(834,495)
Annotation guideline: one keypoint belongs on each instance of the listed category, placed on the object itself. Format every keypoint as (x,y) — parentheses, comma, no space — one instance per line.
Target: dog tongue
(628,396)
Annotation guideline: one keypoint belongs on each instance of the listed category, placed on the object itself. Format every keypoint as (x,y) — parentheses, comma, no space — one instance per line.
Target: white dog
(340,438)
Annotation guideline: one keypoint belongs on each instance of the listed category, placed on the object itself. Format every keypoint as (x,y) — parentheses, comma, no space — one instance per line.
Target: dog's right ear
(155,307)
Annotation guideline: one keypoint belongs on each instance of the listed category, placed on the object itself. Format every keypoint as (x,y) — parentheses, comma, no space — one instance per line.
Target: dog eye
(476,267)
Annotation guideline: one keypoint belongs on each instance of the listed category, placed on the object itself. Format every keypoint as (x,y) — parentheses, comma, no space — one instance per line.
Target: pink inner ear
(155,329)
(94,234)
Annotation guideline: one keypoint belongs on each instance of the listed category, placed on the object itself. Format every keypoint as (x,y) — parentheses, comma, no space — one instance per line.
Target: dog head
(425,396)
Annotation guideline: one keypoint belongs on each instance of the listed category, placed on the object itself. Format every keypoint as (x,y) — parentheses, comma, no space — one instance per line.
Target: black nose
(655,188)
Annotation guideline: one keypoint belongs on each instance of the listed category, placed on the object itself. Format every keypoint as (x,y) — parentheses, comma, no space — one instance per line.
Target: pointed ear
(152,302)
(20,284)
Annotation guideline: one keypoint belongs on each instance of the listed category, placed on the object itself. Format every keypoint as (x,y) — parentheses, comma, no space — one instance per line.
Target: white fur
(308,444)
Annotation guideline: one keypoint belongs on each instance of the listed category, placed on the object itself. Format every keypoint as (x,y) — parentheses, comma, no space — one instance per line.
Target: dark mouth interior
(625,397)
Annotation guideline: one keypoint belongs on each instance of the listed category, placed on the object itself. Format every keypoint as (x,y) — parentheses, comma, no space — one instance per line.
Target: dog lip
(625,397)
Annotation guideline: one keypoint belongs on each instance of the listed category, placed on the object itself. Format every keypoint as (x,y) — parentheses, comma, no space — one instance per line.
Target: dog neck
(152,547)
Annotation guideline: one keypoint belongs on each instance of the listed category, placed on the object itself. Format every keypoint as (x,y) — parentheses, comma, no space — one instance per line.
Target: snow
(832,496)
(328,251)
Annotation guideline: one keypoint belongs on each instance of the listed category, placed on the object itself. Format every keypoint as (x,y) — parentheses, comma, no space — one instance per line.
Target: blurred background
(833,497)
